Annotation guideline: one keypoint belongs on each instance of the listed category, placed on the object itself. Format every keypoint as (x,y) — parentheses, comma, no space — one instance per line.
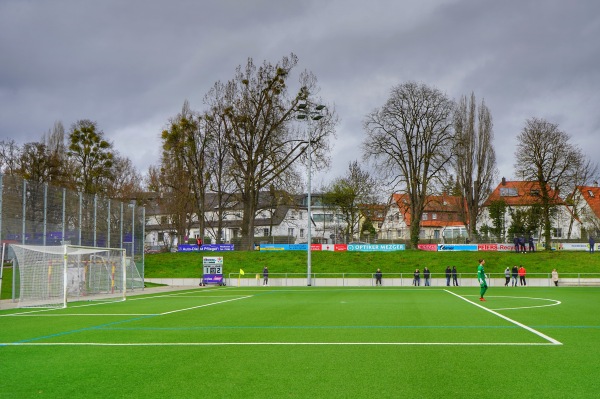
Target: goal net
(51,276)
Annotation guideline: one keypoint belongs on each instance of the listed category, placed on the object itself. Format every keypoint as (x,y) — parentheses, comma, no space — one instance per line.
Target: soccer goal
(51,276)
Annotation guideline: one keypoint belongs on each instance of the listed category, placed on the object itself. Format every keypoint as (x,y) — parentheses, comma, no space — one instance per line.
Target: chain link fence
(41,214)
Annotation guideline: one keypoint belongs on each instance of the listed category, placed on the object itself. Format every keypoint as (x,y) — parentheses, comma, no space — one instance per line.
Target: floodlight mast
(309,112)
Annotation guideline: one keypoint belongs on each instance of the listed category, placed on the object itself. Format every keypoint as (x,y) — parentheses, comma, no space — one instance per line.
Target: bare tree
(189,139)
(410,139)
(586,174)
(10,153)
(475,160)
(261,136)
(219,159)
(127,180)
(546,155)
(349,195)
(176,175)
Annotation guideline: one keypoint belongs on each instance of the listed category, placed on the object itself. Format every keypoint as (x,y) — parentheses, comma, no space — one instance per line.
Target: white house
(523,195)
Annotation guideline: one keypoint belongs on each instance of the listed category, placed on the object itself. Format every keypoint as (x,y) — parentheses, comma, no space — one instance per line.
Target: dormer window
(508,192)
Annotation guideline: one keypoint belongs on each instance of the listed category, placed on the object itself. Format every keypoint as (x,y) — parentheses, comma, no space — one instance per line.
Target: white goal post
(51,276)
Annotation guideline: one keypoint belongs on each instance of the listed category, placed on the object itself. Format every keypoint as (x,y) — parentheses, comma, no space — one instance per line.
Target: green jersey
(480,274)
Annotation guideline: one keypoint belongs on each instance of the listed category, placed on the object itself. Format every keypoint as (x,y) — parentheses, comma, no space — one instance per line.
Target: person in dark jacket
(515,274)
(454,276)
(427,275)
(522,244)
(417,278)
(378,277)
(266,276)
(531,244)
(448,276)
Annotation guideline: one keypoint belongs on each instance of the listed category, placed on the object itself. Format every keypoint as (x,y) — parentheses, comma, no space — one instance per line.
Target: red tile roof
(446,206)
(521,193)
(591,194)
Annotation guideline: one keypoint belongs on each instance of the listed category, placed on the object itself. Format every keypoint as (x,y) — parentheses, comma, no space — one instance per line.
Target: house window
(161,237)
(424,216)
(557,232)
(433,216)
(290,231)
(300,215)
(436,234)
(266,232)
(508,192)
(301,233)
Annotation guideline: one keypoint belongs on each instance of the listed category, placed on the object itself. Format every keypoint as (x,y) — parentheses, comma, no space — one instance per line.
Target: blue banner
(283,247)
(206,247)
(376,247)
(217,247)
(212,279)
(187,248)
(457,247)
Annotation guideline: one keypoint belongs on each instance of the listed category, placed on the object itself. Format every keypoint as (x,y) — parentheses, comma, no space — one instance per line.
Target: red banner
(487,247)
(427,247)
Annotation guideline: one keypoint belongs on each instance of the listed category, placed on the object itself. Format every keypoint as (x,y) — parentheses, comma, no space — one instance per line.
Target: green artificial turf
(309,342)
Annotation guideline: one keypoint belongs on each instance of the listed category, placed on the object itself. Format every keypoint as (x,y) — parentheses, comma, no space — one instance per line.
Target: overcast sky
(130,64)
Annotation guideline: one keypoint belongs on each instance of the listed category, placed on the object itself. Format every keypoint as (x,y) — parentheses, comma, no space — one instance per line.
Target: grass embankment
(188,265)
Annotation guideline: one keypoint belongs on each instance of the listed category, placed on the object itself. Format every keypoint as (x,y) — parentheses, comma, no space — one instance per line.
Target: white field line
(205,305)
(536,332)
(81,314)
(37,312)
(479,344)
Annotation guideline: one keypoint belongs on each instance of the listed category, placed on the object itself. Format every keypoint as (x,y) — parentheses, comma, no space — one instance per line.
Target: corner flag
(241,272)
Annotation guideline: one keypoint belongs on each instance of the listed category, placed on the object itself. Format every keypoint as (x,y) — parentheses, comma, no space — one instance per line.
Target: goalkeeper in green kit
(481,279)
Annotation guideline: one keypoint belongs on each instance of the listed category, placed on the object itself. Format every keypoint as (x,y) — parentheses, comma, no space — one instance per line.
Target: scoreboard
(212,270)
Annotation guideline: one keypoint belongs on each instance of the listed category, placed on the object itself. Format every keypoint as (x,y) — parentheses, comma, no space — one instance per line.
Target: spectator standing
(417,278)
(454,276)
(515,274)
(516,242)
(592,244)
(378,277)
(448,276)
(522,244)
(266,276)
(522,273)
(531,244)
(507,276)
(427,275)
(555,277)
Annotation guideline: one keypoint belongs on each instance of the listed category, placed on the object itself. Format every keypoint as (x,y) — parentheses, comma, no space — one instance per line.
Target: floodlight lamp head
(301,116)
(319,107)
(302,106)
(317,117)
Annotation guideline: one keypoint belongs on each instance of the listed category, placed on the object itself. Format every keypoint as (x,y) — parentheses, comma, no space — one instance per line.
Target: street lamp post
(309,112)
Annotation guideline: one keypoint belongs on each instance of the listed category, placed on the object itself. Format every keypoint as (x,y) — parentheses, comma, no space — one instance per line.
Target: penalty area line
(532,330)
